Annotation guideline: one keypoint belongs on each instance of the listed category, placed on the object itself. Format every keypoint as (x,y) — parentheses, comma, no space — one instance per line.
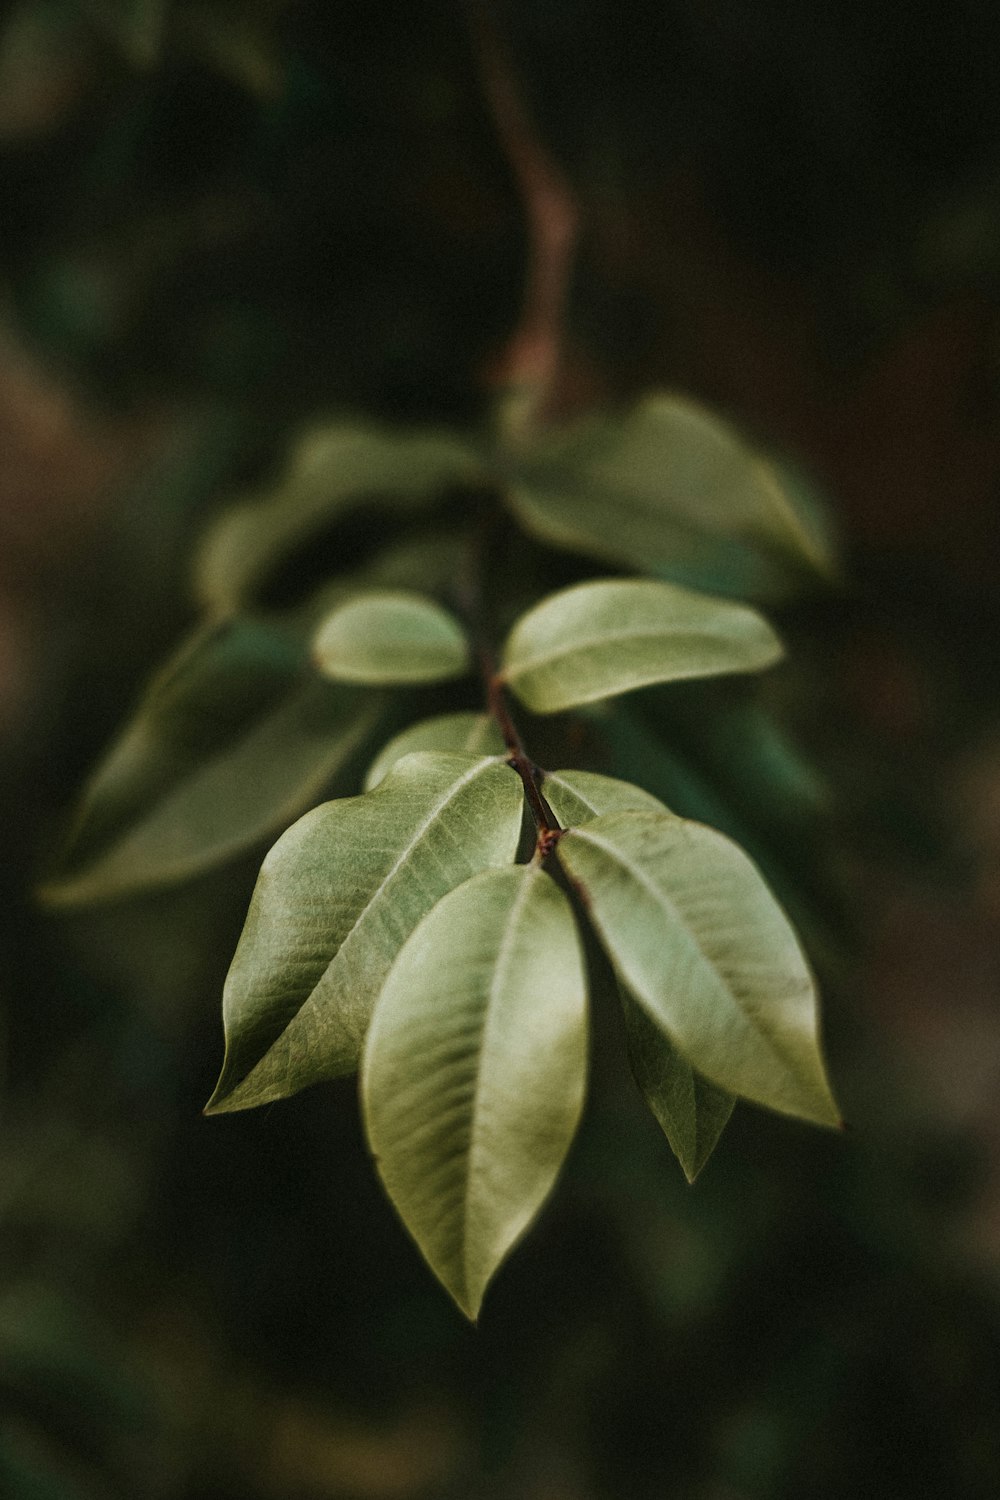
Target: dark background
(220,220)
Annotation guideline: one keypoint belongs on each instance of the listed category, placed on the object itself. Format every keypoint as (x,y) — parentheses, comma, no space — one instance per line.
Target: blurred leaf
(691,1112)
(136,26)
(596,640)
(578,796)
(336,899)
(670,488)
(232,740)
(475,1068)
(390,638)
(461,733)
(741,746)
(240,40)
(698,939)
(333,470)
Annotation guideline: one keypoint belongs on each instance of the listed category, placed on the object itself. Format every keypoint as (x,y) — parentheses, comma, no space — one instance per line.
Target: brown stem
(546,823)
(534,351)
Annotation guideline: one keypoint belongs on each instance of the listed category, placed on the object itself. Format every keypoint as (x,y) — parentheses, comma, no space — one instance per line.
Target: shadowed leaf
(691,1112)
(333,469)
(671,488)
(230,743)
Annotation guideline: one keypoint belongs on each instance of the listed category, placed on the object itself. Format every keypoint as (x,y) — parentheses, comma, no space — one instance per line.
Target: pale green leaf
(229,744)
(390,638)
(697,937)
(336,899)
(474,1071)
(596,640)
(461,733)
(332,471)
(691,1112)
(669,487)
(579,796)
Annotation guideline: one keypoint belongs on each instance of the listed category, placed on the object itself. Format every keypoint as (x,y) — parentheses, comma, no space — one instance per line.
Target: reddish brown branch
(519,760)
(533,354)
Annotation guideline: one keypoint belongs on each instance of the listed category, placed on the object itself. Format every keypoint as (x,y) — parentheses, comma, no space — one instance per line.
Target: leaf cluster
(427,930)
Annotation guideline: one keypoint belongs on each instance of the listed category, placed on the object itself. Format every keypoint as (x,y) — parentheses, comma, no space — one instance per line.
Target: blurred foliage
(220,220)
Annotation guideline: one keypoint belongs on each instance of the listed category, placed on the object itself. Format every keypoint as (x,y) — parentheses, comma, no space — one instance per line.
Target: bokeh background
(219,220)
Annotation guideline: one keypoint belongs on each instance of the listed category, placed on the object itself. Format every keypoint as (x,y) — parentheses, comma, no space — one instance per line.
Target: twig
(534,353)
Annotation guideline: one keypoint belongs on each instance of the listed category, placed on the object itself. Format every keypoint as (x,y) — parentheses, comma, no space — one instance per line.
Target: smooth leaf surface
(461,733)
(698,939)
(691,1112)
(230,743)
(669,487)
(474,1070)
(579,796)
(332,471)
(390,638)
(336,899)
(596,640)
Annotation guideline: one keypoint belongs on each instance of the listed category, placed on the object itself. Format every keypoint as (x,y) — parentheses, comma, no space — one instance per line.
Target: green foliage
(471,1104)
(671,489)
(231,741)
(599,639)
(337,896)
(701,944)
(692,1112)
(463,733)
(392,639)
(336,470)
(418,927)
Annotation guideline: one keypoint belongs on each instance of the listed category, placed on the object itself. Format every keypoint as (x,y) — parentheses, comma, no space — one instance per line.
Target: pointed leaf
(691,1112)
(335,900)
(595,640)
(474,1071)
(390,638)
(333,470)
(579,796)
(461,733)
(698,939)
(229,744)
(671,488)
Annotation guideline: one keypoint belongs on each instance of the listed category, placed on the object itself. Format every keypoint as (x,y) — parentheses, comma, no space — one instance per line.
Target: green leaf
(671,488)
(461,733)
(474,1071)
(598,639)
(336,899)
(228,745)
(579,796)
(698,939)
(334,470)
(691,1112)
(389,638)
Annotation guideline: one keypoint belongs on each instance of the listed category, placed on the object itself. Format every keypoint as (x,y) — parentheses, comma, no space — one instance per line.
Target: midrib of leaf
(609,638)
(428,822)
(573,791)
(670,907)
(500,968)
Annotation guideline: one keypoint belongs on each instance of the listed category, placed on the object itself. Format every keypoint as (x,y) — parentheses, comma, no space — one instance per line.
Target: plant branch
(534,352)
(546,823)
(469,596)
